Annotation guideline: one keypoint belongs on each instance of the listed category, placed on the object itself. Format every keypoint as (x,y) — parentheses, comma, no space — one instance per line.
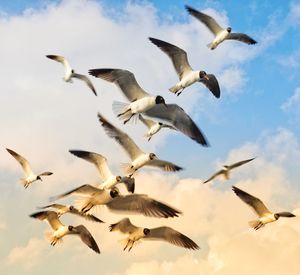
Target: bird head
(118,178)
(114,192)
(160,123)
(146,231)
(276,216)
(39,178)
(203,74)
(229,29)
(71,207)
(70,228)
(160,100)
(152,156)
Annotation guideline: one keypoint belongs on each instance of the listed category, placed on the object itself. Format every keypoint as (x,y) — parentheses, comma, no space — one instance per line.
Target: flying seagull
(133,203)
(220,33)
(264,214)
(153,126)
(225,171)
(137,156)
(100,162)
(186,74)
(70,73)
(163,233)
(62,209)
(61,230)
(30,177)
(140,100)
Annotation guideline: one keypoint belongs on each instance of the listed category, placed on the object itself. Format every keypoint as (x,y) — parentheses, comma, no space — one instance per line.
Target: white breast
(267,218)
(154,129)
(189,78)
(109,183)
(140,161)
(137,234)
(60,232)
(142,104)
(220,37)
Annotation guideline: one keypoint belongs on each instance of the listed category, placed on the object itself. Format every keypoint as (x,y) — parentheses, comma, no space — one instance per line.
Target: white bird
(153,126)
(133,203)
(70,73)
(186,74)
(140,100)
(220,33)
(61,230)
(264,214)
(225,171)
(30,177)
(109,180)
(162,233)
(137,156)
(62,209)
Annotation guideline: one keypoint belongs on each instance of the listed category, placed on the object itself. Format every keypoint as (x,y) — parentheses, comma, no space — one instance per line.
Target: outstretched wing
(87,237)
(242,37)
(124,79)
(214,176)
(177,117)
(148,122)
(172,236)
(50,216)
(142,204)
(256,204)
(122,138)
(164,165)
(237,164)
(212,84)
(177,55)
(24,163)
(124,226)
(207,20)
(61,60)
(86,80)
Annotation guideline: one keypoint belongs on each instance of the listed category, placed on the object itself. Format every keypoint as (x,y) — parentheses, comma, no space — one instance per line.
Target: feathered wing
(86,80)
(54,205)
(46,174)
(129,183)
(214,176)
(122,138)
(124,226)
(177,117)
(148,122)
(87,237)
(177,55)
(142,204)
(87,216)
(241,37)
(207,20)
(164,165)
(98,160)
(172,236)
(237,164)
(124,79)
(61,60)
(256,204)
(50,216)
(212,84)
(286,214)
(23,162)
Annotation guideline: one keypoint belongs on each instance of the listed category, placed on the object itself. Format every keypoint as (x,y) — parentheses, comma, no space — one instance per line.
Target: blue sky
(257,115)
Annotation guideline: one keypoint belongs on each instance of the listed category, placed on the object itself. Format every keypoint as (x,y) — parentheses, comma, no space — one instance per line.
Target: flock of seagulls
(155,114)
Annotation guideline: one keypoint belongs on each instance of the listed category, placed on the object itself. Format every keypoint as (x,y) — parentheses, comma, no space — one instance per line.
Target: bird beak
(206,77)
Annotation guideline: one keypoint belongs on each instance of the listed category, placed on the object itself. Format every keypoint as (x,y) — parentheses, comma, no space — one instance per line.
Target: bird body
(139,162)
(221,36)
(188,79)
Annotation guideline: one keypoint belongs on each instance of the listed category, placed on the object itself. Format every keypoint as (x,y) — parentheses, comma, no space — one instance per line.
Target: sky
(258,115)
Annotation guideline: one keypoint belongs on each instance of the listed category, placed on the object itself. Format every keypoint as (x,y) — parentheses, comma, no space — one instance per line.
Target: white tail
(120,108)
(52,239)
(23,182)
(174,89)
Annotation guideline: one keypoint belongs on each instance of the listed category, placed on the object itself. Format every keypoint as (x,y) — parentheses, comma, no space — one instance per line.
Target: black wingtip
(96,72)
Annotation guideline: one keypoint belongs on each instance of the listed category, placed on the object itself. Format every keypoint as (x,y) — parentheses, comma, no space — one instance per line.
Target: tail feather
(256,224)
(211,46)
(23,182)
(174,89)
(112,227)
(120,108)
(52,239)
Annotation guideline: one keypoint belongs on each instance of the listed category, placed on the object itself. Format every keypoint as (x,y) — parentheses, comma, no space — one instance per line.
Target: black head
(146,231)
(118,178)
(72,71)
(114,193)
(229,29)
(160,123)
(70,228)
(152,156)
(71,207)
(160,100)
(39,178)
(202,74)
(276,216)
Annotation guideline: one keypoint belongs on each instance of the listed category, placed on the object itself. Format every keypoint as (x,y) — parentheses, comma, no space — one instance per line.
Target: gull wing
(50,216)
(142,204)
(214,176)
(46,174)
(164,165)
(241,37)
(61,60)
(256,204)
(177,117)
(172,236)
(86,80)
(54,205)
(124,79)
(87,237)
(148,122)
(24,163)
(129,182)
(207,20)
(212,84)
(98,160)
(122,138)
(177,55)
(88,217)
(124,226)
(237,164)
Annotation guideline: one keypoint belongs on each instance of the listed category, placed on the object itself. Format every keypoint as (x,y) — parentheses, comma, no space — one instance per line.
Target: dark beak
(206,77)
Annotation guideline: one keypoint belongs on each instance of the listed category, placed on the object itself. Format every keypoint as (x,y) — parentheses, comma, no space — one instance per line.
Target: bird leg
(258,226)
(149,138)
(179,92)
(125,121)
(128,242)
(132,243)
(121,114)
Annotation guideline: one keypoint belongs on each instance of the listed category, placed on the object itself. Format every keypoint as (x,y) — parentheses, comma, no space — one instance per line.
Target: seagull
(225,171)
(62,209)
(162,233)
(70,73)
(154,127)
(264,214)
(61,230)
(133,203)
(109,180)
(30,176)
(187,75)
(140,100)
(180,120)
(220,33)
(138,157)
